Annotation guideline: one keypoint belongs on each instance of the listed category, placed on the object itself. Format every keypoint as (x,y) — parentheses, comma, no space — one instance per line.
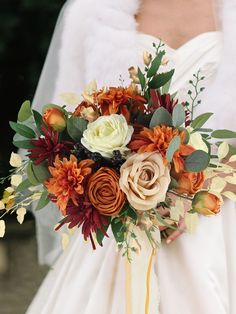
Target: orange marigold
(120,100)
(158,139)
(68,178)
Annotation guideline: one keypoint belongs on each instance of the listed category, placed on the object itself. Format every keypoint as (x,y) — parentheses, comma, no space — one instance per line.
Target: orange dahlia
(121,100)
(68,179)
(158,139)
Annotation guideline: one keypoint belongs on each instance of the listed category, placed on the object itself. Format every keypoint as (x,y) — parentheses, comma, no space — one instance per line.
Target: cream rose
(106,134)
(144,179)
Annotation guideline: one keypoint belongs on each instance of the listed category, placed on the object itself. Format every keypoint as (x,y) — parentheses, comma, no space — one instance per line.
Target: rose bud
(55,118)
(87,111)
(189,182)
(147,58)
(206,203)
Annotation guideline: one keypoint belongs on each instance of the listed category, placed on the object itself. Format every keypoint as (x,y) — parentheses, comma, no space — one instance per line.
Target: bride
(101,39)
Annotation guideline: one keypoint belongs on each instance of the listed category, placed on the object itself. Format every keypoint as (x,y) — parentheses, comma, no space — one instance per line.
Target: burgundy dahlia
(87,216)
(47,147)
(162,101)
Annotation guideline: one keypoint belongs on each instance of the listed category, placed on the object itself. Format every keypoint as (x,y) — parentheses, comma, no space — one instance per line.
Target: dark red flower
(161,101)
(47,147)
(87,216)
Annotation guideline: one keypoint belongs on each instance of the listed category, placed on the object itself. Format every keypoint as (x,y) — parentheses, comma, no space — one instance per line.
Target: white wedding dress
(197,273)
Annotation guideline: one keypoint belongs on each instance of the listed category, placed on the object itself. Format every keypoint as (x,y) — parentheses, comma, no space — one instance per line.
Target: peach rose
(104,192)
(206,203)
(189,182)
(55,119)
(145,180)
(86,111)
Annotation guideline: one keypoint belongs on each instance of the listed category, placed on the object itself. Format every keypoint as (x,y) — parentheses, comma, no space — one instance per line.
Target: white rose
(145,180)
(106,134)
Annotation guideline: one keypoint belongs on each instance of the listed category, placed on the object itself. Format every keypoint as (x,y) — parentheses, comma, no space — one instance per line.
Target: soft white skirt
(197,274)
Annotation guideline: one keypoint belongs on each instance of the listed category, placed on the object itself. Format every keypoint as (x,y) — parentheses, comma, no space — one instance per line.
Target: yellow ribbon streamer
(128,285)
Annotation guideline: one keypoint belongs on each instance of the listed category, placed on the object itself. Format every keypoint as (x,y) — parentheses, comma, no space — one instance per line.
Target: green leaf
(132,213)
(199,121)
(161,79)
(22,130)
(178,115)
(38,120)
(25,111)
(155,65)
(23,186)
(142,78)
(43,201)
(41,172)
(31,176)
(166,87)
(100,235)
(118,230)
(23,144)
(232,150)
(75,127)
(161,116)
(173,147)
(223,134)
(197,161)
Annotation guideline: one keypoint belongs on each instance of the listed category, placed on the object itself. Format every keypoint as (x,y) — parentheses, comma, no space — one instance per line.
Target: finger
(177,233)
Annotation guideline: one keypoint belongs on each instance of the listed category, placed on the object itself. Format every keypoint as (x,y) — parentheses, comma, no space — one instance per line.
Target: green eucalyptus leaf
(173,147)
(31,176)
(178,115)
(161,79)
(155,65)
(24,185)
(223,134)
(199,121)
(25,111)
(75,127)
(41,172)
(43,201)
(142,78)
(161,116)
(22,130)
(38,120)
(26,144)
(197,161)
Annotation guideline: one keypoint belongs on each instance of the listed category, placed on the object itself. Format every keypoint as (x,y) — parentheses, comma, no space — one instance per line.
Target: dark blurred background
(26,27)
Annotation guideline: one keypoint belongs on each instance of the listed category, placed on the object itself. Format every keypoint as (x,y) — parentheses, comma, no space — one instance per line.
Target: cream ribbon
(142,293)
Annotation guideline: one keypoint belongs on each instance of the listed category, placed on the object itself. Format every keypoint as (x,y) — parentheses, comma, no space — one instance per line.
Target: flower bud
(87,111)
(133,72)
(147,58)
(206,203)
(55,119)
(165,61)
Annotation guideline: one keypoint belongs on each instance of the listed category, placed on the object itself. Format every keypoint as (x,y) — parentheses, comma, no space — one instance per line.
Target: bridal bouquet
(125,157)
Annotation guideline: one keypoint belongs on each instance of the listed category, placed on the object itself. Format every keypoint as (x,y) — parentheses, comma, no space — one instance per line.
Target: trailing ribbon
(142,293)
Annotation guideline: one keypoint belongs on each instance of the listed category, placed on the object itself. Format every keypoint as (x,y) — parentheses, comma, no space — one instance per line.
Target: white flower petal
(21,215)
(15,160)
(16,179)
(2,228)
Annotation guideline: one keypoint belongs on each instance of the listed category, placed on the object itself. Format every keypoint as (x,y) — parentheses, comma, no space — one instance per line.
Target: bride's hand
(173,235)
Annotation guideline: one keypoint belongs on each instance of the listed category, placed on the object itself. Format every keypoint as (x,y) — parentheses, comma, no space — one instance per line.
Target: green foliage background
(26,28)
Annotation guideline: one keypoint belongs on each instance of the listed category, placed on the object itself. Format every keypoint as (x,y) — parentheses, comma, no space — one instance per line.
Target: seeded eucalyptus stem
(196,92)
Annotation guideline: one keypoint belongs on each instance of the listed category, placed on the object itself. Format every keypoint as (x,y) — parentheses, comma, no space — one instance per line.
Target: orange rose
(86,111)
(104,192)
(206,203)
(55,119)
(189,182)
